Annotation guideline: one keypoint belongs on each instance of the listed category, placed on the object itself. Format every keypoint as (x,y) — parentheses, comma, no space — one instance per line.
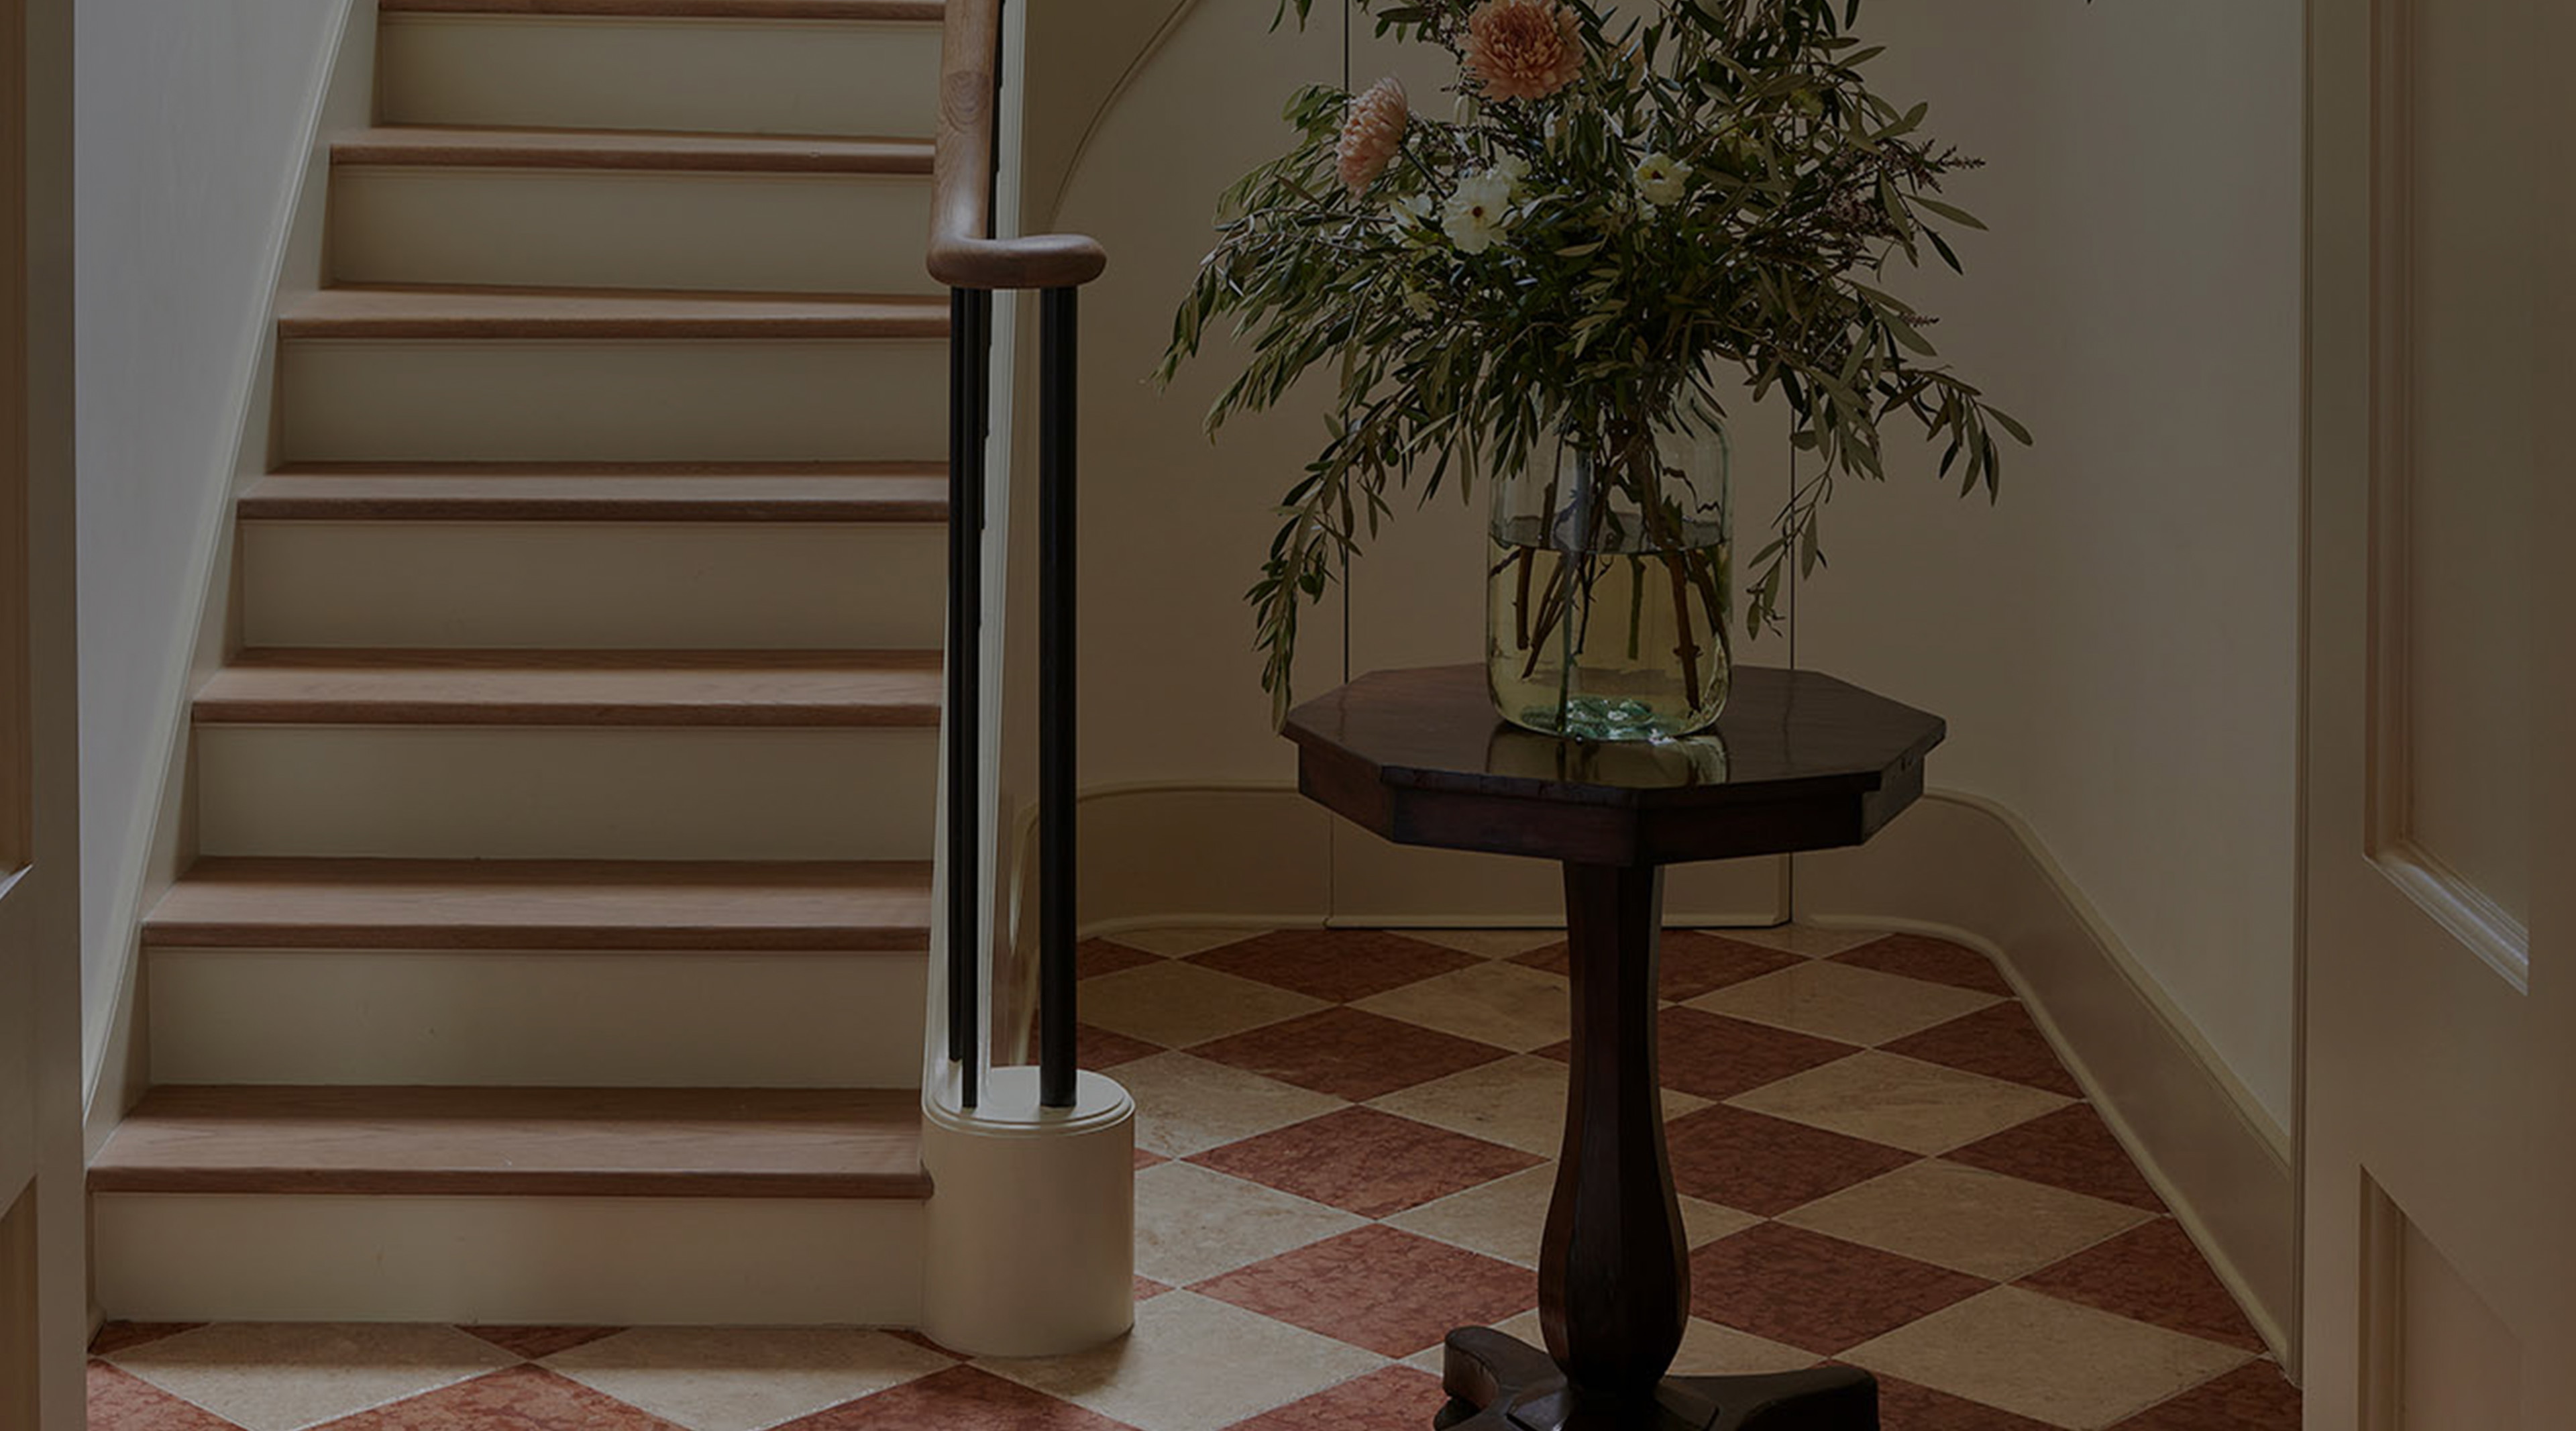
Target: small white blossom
(1512,169)
(1478,212)
(1661,179)
(1410,210)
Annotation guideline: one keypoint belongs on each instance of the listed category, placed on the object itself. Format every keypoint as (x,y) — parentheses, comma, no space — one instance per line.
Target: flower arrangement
(1615,213)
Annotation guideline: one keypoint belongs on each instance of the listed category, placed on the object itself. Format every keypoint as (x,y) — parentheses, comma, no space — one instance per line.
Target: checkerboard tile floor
(1344,1151)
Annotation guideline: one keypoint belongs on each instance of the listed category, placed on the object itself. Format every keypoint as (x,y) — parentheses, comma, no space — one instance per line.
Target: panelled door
(42,1264)
(2438,1124)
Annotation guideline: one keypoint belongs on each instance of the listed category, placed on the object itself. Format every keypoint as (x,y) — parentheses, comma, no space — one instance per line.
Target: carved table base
(1497,1383)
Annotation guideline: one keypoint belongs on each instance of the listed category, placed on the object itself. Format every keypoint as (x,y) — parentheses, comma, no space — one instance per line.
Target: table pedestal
(1614,1269)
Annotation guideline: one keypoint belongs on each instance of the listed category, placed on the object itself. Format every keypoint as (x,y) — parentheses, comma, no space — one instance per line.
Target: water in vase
(1609,644)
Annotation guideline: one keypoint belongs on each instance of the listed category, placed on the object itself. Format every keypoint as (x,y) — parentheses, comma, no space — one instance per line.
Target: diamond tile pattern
(1881,1158)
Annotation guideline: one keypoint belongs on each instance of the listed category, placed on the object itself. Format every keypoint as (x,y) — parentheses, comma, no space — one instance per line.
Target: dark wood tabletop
(1800,761)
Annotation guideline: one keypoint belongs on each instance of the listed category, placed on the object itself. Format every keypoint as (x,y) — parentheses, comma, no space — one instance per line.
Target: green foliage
(1593,309)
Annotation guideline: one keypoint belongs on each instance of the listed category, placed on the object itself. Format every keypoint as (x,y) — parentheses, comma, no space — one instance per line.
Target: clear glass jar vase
(1611,585)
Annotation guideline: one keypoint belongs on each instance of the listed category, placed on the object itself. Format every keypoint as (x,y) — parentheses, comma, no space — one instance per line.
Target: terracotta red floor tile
(122,1401)
(1146,1158)
(536,1343)
(1398,1397)
(1095,957)
(2151,1273)
(115,1337)
(1694,962)
(1920,956)
(1999,1041)
(1336,965)
(521,1398)
(1903,1406)
(2072,1149)
(961,1398)
(2254,1397)
(1814,1291)
(1375,1287)
(1147,1289)
(1098,1049)
(1714,1056)
(1348,1053)
(1759,1164)
(1366,1162)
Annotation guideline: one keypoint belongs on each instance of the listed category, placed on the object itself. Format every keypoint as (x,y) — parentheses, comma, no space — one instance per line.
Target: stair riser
(545,1261)
(546,1019)
(732,76)
(592,229)
(566,792)
(575,585)
(642,400)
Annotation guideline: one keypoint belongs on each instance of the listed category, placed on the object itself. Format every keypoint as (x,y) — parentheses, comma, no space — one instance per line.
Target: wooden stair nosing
(524,1142)
(372,311)
(636,906)
(751,689)
(411,146)
(883,492)
(928,12)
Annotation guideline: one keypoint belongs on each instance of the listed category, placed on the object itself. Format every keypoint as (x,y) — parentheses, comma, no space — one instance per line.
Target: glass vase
(1611,585)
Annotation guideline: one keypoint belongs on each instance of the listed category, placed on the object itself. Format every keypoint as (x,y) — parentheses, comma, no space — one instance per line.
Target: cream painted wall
(2115,646)
(195,123)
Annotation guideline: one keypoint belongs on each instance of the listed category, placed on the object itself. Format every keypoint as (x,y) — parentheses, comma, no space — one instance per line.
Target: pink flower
(1371,132)
(1523,49)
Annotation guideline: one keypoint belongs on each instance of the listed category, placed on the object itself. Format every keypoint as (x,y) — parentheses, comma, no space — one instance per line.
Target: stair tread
(627,149)
(379,311)
(595,491)
(637,905)
(611,1142)
(920,11)
(627,688)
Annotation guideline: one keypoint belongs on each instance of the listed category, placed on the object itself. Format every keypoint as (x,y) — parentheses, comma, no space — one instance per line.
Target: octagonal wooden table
(1799,762)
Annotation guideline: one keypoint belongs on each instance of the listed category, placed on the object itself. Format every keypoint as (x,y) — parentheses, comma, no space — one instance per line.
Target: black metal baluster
(1057,344)
(967,420)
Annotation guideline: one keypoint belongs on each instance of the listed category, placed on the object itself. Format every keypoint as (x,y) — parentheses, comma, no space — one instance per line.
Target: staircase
(556,945)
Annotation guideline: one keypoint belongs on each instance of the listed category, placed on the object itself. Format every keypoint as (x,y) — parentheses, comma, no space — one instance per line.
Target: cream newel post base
(1032,1221)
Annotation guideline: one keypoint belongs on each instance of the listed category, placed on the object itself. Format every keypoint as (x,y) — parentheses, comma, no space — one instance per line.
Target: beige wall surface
(193,129)
(2115,646)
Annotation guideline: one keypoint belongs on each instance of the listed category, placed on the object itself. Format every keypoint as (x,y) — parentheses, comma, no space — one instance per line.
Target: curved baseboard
(1261,856)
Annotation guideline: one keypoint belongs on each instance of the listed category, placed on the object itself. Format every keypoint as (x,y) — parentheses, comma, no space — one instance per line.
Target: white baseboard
(1262,856)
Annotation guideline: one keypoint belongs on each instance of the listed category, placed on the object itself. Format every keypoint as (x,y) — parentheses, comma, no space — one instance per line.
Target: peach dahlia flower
(1371,132)
(1523,49)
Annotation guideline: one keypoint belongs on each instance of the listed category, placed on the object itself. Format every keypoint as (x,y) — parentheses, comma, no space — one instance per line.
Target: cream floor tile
(1707,1349)
(1812,941)
(743,1378)
(1902,1102)
(1194,1363)
(281,1377)
(1706,1222)
(1518,1102)
(1967,1219)
(1505,1004)
(1504,1218)
(1182,941)
(2014,1349)
(1193,1223)
(1176,1004)
(1842,1001)
(1487,943)
(1711,1350)
(1188,1105)
(1507,1217)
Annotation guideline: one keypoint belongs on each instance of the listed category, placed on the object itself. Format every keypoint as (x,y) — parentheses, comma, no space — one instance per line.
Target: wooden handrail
(963,254)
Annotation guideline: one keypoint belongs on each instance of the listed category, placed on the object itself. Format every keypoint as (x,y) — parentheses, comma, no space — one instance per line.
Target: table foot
(1498,1383)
